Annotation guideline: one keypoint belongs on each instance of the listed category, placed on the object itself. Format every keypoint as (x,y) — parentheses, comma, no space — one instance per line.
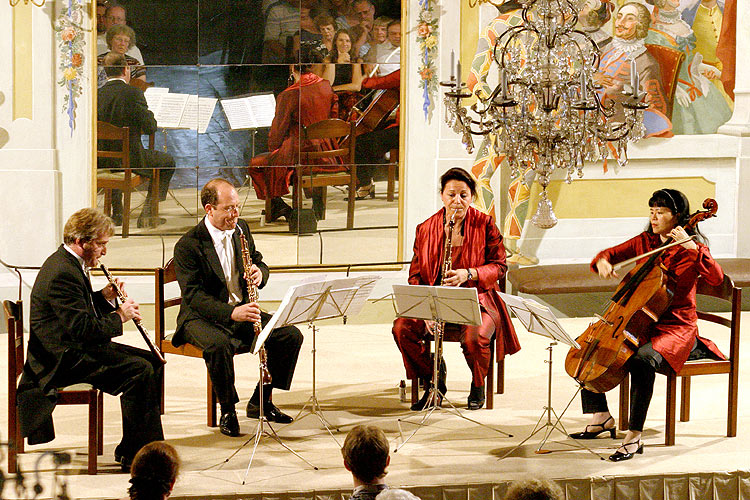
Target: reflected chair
(726,291)
(163,276)
(670,60)
(78,394)
(308,176)
(393,162)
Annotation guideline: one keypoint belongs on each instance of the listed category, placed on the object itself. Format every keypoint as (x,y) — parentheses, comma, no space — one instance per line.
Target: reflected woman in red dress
(478,258)
(672,338)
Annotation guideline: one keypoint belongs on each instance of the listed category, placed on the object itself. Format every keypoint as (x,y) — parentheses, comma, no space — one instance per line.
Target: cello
(640,299)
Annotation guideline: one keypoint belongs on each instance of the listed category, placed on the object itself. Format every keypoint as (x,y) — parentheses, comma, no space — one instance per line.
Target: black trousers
(153,160)
(132,373)
(220,344)
(371,150)
(643,367)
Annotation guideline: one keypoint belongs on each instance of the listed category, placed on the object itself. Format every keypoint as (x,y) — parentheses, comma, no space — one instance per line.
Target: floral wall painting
(71,45)
(427,38)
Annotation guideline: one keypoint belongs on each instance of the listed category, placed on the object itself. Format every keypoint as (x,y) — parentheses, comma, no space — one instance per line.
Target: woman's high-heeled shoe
(619,456)
(587,434)
(365,191)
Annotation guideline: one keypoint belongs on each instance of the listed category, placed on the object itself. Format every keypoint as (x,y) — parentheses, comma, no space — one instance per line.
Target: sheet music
(537,318)
(252,111)
(198,112)
(171,110)
(444,303)
(302,303)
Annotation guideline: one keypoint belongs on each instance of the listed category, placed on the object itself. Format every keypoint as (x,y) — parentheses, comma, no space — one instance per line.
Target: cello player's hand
(605,269)
(679,234)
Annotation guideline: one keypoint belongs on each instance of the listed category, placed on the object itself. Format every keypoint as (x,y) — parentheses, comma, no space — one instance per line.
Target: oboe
(446,266)
(123,297)
(252,296)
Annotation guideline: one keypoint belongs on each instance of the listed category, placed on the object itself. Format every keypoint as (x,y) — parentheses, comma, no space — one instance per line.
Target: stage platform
(358,371)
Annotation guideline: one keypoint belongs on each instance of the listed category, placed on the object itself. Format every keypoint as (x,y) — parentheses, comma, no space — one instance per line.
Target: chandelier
(547,110)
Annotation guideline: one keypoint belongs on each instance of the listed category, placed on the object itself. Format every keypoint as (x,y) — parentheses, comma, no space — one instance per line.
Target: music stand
(441,304)
(306,303)
(540,320)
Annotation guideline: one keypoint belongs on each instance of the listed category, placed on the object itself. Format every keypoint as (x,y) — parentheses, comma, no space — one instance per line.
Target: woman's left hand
(456,277)
(678,234)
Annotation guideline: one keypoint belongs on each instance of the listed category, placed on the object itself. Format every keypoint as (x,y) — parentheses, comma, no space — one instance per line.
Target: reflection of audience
(360,39)
(154,472)
(309,99)
(366,456)
(282,21)
(115,15)
(120,39)
(123,105)
(631,27)
(534,489)
(101,11)
(364,10)
(342,67)
(379,43)
(327,27)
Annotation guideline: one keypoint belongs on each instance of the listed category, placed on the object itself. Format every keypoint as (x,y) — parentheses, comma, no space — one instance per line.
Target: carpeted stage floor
(358,370)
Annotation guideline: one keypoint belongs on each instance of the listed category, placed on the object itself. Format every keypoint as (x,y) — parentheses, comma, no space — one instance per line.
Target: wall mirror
(235,87)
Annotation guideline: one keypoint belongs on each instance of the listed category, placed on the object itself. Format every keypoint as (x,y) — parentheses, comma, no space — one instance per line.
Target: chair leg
(671,409)
(350,203)
(500,376)
(108,202)
(414,390)
(93,427)
(154,188)
(126,211)
(685,400)
(100,424)
(732,405)
(162,403)
(624,403)
(211,397)
(391,193)
(489,385)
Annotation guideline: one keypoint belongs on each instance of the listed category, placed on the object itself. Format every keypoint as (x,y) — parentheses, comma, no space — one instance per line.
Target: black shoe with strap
(476,398)
(619,456)
(596,430)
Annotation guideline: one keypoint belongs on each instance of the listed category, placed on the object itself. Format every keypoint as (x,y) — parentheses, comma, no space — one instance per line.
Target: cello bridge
(601,318)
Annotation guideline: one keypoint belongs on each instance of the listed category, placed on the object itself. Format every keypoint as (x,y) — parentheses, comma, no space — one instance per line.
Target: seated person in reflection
(72,328)
(366,456)
(327,28)
(668,342)
(282,21)
(478,260)
(119,39)
(123,105)
(154,472)
(114,15)
(309,99)
(216,314)
(343,65)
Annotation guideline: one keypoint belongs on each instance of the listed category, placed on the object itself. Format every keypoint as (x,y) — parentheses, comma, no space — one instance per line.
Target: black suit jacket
(67,318)
(123,105)
(201,278)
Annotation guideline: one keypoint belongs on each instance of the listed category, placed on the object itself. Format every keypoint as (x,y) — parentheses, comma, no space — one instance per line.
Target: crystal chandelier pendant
(544,218)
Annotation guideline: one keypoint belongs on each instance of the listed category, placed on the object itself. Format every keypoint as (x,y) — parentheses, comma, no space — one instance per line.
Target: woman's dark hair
(154,471)
(458,174)
(308,56)
(679,205)
(334,55)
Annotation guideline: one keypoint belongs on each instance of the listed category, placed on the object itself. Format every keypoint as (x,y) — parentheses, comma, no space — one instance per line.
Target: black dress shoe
(279,208)
(117,218)
(229,425)
(442,376)
(619,456)
(125,462)
(272,413)
(598,429)
(476,398)
(422,403)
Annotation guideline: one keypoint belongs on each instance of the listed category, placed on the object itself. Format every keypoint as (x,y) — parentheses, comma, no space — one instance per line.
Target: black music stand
(441,304)
(540,320)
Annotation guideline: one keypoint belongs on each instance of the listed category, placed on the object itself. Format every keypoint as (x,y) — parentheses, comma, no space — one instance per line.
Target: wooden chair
(72,395)
(392,169)
(669,60)
(307,177)
(732,294)
(164,275)
(126,181)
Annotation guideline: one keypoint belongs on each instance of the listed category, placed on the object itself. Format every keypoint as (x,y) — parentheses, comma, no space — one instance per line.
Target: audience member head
(365,10)
(342,43)
(380,29)
(534,489)
(115,15)
(394,32)
(365,453)
(154,472)
(327,27)
(115,65)
(120,38)
(86,225)
(308,57)
(359,37)
(101,12)
(396,494)
(458,174)
(632,21)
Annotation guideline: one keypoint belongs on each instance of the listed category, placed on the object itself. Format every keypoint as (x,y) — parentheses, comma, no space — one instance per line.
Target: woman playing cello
(670,339)
(478,260)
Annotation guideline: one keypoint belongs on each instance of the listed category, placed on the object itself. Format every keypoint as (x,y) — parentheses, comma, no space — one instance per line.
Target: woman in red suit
(309,99)
(478,258)
(674,335)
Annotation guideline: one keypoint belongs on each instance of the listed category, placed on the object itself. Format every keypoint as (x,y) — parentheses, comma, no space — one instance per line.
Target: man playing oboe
(216,315)
(70,342)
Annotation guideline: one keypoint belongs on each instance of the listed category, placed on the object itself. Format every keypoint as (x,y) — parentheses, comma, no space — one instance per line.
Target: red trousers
(269,181)
(412,339)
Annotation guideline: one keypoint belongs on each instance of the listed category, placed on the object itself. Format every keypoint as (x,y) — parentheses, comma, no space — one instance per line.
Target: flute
(123,297)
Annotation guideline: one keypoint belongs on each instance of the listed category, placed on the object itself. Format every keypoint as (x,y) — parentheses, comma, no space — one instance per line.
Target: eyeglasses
(228,210)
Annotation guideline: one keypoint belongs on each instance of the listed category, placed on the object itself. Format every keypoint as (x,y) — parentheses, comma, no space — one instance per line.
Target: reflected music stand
(540,320)
(441,304)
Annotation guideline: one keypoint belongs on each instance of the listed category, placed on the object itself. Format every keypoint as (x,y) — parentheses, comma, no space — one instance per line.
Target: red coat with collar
(673,335)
